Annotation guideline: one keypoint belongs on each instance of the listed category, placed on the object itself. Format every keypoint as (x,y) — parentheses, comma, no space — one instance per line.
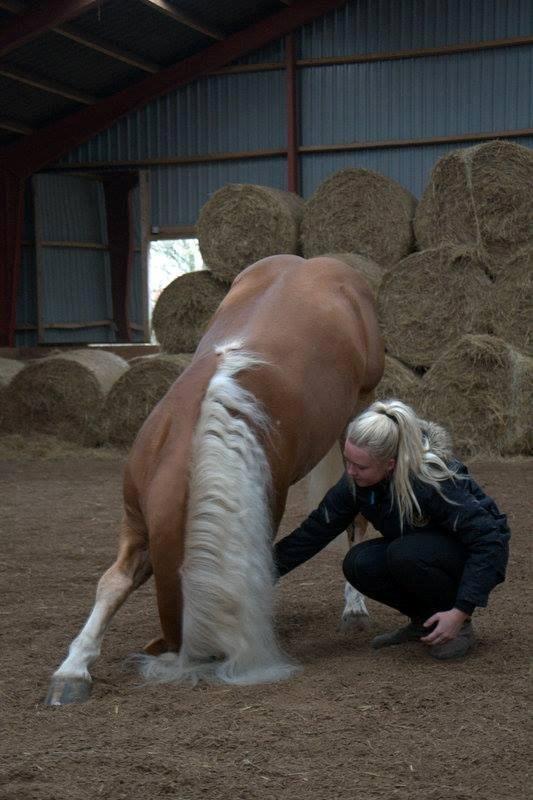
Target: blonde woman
(444,543)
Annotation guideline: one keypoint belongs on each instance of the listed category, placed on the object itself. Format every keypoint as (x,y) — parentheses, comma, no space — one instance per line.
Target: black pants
(417,574)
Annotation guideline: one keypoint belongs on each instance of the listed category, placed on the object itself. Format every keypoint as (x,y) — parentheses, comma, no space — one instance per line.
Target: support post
(118,188)
(292,116)
(11,218)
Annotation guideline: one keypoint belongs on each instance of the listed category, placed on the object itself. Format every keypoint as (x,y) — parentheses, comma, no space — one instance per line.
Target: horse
(286,359)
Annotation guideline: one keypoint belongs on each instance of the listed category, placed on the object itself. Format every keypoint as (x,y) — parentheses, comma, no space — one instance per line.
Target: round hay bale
(184,309)
(399,381)
(9,367)
(512,309)
(371,272)
(359,211)
(480,389)
(479,195)
(242,223)
(431,299)
(63,395)
(136,393)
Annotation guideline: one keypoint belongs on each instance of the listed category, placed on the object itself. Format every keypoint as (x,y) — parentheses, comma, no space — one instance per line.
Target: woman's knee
(363,563)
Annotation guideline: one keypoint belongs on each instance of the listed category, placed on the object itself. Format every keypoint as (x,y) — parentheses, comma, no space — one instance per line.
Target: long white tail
(227,574)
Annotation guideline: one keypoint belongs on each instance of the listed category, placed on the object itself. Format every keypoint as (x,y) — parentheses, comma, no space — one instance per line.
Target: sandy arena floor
(354,724)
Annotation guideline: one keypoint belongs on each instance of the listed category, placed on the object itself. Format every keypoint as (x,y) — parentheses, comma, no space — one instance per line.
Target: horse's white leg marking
(355,614)
(128,572)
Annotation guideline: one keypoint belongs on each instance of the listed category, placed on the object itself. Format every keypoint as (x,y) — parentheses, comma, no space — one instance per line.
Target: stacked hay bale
(370,271)
(480,388)
(479,195)
(461,308)
(399,381)
(243,223)
(63,394)
(9,367)
(359,211)
(137,391)
(184,309)
(431,299)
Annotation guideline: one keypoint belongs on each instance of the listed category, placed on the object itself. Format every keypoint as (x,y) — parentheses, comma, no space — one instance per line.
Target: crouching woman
(443,544)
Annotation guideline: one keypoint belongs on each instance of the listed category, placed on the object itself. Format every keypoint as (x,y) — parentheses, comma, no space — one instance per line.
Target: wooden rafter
(14,126)
(91,42)
(179,16)
(46,85)
(38,18)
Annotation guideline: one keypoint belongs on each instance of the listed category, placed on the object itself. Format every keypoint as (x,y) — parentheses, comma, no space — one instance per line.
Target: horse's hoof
(68,690)
(156,647)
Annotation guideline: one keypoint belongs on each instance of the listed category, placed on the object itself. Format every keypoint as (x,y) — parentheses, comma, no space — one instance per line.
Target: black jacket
(472,518)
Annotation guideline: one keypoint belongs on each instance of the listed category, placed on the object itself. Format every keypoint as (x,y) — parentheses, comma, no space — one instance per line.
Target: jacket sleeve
(325,523)
(475,521)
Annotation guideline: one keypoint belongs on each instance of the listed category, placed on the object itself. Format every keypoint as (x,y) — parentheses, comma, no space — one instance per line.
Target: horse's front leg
(71,683)
(355,614)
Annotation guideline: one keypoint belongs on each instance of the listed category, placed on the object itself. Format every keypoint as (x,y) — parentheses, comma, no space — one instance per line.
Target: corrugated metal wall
(411,98)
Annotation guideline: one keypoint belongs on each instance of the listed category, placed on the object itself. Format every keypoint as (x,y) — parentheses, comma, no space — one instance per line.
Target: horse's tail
(227,573)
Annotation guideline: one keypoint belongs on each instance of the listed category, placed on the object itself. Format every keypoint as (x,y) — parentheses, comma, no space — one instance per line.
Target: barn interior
(150,150)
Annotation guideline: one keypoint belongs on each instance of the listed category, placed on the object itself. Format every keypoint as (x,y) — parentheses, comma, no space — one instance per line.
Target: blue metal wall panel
(373,26)
(223,113)
(410,166)
(76,288)
(72,208)
(178,193)
(447,95)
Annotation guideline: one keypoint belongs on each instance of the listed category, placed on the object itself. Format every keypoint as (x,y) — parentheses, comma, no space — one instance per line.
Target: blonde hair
(391,429)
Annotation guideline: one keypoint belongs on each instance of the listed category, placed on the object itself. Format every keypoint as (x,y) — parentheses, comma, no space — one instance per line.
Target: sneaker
(455,648)
(408,633)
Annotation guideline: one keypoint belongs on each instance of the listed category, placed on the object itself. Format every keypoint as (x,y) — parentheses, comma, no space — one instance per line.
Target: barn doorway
(168,259)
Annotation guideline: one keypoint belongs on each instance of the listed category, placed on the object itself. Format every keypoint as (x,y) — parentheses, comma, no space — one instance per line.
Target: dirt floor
(354,724)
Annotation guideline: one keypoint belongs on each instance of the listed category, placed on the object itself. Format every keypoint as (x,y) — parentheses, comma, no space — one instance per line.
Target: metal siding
(76,288)
(406,99)
(135,300)
(178,193)
(410,166)
(223,113)
(372,26)
(72,209)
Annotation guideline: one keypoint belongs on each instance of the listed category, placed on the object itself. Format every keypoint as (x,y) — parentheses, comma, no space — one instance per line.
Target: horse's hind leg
(355,614)
(71,683)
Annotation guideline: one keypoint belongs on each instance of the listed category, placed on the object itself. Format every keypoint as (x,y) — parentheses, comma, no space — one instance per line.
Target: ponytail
(391,429)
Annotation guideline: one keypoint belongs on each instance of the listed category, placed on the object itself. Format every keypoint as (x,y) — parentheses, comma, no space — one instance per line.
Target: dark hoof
(68,690)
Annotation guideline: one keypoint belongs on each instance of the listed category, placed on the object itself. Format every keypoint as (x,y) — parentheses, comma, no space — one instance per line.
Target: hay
(242,223)
(359,211)
(9,367)
(184,309)
(136,393)
(512,311)
(431,299)
(479,195)
(371,272)
(15,447)
(480,389)
(400,382)
(63,395)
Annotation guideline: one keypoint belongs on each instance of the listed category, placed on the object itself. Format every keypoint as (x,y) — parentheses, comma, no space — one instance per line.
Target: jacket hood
(436,439)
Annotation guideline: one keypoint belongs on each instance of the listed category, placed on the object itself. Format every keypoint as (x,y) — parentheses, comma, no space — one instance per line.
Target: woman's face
(363,467)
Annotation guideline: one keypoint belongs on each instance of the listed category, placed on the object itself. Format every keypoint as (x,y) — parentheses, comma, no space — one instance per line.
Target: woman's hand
(448,626)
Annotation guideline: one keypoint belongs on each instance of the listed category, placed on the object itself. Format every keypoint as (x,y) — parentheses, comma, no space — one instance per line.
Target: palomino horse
(272,385)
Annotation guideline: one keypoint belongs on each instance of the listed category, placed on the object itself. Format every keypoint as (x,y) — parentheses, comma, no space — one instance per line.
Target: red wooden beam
(118,188)
(292,116)
(48,144)
(11,214)
(38,19)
